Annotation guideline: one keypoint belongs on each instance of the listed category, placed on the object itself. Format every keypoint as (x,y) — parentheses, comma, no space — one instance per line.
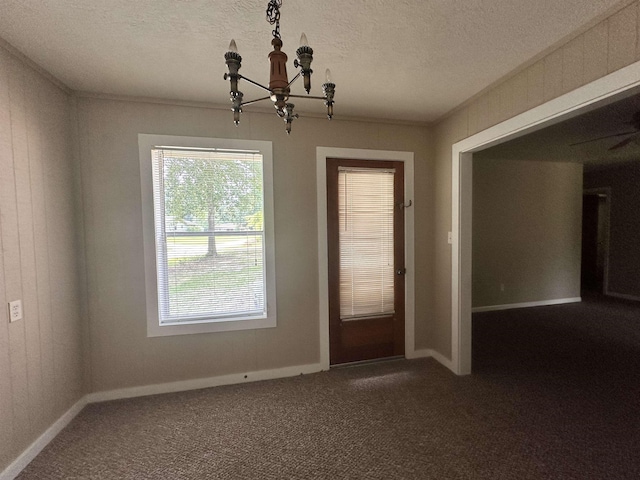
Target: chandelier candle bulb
(305,57)
(234,62)
(329,89)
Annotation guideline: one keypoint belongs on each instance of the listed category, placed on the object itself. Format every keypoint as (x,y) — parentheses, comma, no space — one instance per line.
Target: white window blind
(209,234)
(366,242)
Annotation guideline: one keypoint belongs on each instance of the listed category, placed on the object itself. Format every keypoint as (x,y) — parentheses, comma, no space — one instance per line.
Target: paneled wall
(603,47)
(41,373)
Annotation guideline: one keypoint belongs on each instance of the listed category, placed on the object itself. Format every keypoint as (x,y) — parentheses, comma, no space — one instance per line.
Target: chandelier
(279,85)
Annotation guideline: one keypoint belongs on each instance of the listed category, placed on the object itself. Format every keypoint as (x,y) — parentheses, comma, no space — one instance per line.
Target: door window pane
(365,203)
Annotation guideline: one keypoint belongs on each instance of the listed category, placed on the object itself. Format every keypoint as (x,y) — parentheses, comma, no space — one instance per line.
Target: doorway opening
(595,242)
(372,157)
(620,84)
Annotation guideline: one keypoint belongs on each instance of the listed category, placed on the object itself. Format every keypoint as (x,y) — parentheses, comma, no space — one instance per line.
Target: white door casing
(322,153)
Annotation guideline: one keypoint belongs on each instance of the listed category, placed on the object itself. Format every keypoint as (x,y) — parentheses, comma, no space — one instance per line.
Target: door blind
(365,204)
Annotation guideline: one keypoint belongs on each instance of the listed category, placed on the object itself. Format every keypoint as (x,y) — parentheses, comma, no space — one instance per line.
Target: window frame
(146,143)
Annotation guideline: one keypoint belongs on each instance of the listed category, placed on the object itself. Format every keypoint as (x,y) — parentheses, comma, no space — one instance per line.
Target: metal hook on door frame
(405,205)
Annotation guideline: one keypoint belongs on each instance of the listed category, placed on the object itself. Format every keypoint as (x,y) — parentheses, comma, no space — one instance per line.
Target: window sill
(156,330)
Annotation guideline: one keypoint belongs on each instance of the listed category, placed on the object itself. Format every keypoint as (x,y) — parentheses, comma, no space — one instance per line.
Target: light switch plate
(15,310)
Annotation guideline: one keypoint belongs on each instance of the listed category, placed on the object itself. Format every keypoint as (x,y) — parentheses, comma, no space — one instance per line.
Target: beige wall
(40,355)
(527,219)
(121,353)
(624,230)
(604,47)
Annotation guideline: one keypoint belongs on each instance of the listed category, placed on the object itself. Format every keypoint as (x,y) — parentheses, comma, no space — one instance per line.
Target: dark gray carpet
(555,395)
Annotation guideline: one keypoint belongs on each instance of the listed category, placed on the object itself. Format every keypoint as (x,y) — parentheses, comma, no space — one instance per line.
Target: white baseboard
(437,356)
(542,303)
(423,353)
(42,441)
(199,383)
(624,296)
(442,359)
(36,447)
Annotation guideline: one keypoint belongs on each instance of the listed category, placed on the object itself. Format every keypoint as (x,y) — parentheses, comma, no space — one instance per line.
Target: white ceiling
(397,59)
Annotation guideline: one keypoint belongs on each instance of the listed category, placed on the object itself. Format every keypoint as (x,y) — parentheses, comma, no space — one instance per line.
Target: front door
(366,259)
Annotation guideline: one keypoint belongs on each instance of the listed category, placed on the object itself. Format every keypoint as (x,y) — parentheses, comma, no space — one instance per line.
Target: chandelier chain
(273,16)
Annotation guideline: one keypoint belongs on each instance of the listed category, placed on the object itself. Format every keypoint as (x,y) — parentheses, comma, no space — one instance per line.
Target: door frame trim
(322,153)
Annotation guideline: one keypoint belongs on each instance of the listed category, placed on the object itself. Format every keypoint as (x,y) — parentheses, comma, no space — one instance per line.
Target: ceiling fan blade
(602,138)
(623,143)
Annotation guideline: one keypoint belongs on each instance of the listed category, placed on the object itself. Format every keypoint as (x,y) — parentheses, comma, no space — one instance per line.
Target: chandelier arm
(255,83)
(294,79)
(308,96)
(255,101)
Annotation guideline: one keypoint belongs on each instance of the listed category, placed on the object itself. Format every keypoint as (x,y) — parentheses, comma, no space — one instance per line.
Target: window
(207,208)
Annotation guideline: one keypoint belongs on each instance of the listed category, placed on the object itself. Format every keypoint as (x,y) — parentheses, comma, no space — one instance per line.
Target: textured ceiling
(401,60)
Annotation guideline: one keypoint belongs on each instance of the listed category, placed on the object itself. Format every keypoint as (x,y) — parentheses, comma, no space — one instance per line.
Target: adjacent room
(286,239)
(560,304)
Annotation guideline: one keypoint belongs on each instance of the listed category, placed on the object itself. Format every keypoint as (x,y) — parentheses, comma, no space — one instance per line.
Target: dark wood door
(366,259)
(592,265)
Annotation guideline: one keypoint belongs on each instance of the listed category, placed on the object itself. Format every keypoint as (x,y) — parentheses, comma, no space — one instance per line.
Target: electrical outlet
(15,311)
(502,287)
(449,238)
